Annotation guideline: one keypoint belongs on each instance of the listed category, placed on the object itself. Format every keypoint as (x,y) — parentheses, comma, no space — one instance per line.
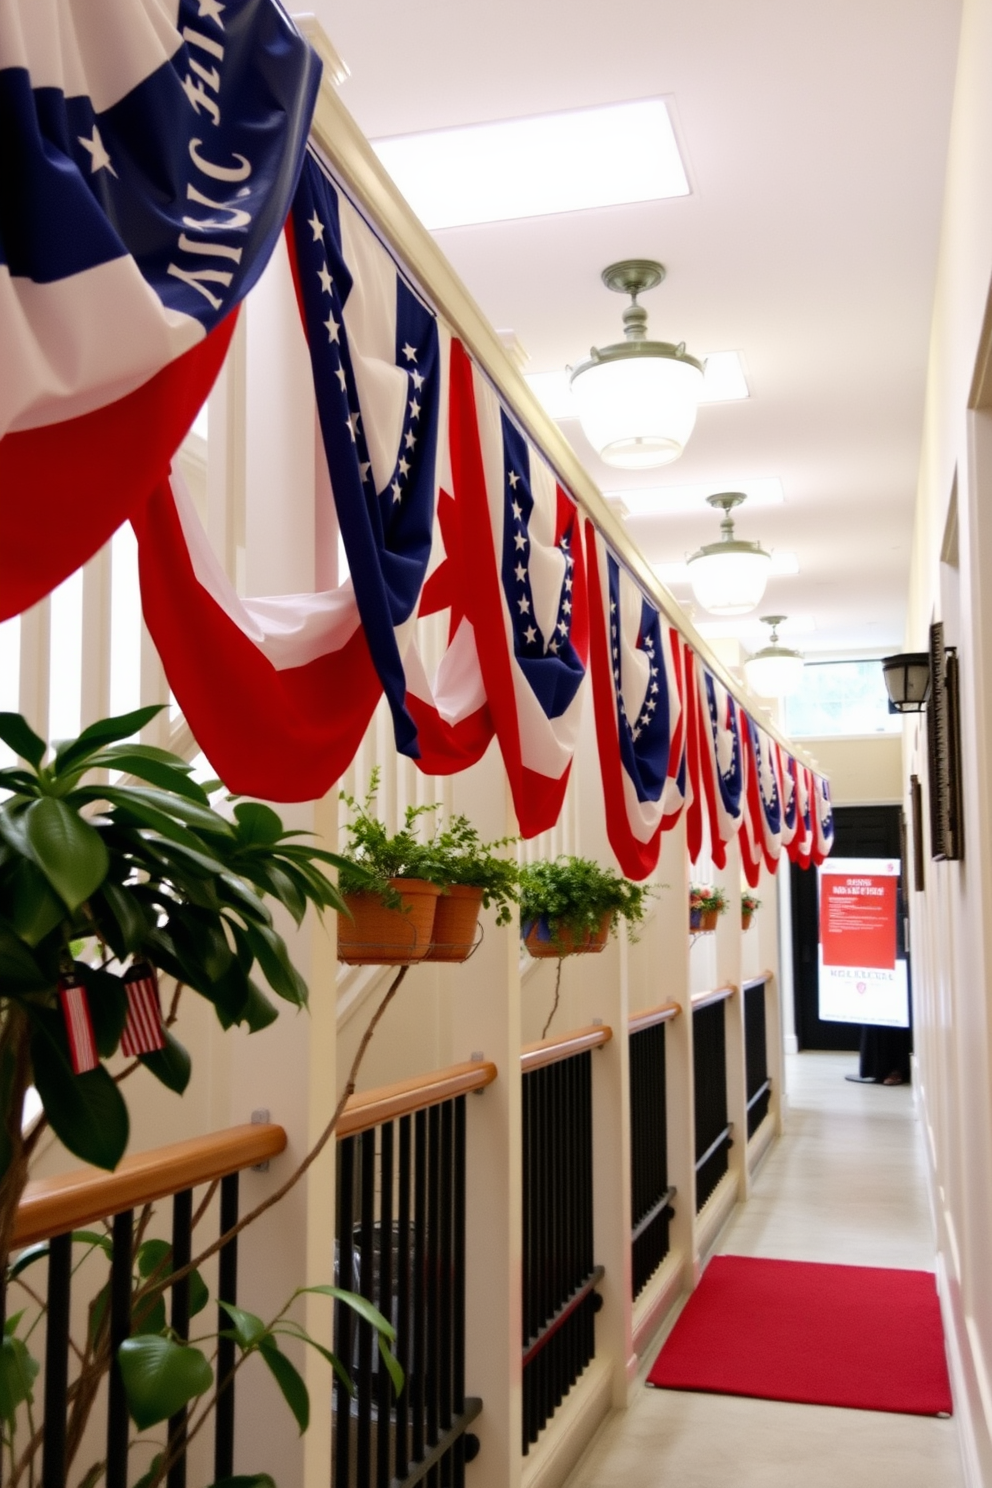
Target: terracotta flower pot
(747,916)
(566,944)
(455,920)
(709,919)
(380,936)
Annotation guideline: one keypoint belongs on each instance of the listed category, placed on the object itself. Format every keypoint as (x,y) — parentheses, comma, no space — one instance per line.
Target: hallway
(845,1185)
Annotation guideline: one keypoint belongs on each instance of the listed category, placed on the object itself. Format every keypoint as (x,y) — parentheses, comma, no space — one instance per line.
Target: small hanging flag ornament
(143,1032)
(78,1023)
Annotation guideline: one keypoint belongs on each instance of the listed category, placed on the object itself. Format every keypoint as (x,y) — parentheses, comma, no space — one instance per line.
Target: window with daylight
(840,697)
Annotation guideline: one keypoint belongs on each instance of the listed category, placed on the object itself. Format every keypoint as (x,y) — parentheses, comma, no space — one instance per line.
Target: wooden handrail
(63,1202)
(718,994)
(765,976)
(663,1013)
(550,1051)
(373,1107)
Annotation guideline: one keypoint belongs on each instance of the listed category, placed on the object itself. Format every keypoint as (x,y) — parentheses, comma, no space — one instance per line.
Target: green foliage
(373,856)
(161,1376)
(18,1372)
(107,874)
(715,898)
(749,904)
(455,854)
(573,894)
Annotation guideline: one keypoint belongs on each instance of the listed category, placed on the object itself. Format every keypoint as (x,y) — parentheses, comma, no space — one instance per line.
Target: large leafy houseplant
(96,877)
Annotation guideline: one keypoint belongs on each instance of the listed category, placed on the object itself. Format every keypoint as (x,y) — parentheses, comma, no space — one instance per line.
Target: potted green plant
(390,901)
(569,906)
(749,908)
(698,894)
(101,887)
(417,898)
(472,874)
(713,906)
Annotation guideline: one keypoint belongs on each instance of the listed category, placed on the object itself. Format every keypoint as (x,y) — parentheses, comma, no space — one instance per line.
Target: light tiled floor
(845,1185)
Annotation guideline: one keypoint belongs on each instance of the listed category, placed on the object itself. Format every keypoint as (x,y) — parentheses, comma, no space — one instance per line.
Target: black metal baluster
(363,1383)
(527,1249)
(344,1318)
(182,1220)
(122,1240)
(3,1324)
(445,1310)
(385,1301)
(403,1261)
(53,1465)
(120,1328)
(433,1272)
(227,1291)
(418,1382)
(458,1289)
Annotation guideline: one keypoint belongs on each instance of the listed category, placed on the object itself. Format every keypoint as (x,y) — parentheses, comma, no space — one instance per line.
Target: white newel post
(671,950)
(728,967)
(485,1014)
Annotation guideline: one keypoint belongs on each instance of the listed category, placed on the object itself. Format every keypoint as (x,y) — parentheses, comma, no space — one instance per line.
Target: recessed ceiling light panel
(537,167)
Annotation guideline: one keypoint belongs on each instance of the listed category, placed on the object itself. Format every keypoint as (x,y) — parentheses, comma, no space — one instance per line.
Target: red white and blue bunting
(445,506)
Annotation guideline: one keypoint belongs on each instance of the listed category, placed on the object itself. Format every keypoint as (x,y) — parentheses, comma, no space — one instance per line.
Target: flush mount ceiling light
(774,671)
(907,678)
(729,577)
(637,399)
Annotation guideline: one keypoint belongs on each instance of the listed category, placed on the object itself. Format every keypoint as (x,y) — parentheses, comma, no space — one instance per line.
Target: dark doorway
(859,832)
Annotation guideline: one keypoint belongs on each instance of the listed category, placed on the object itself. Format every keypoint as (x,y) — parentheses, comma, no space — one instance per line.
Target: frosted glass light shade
(729,578)
(774,672)
(638,411)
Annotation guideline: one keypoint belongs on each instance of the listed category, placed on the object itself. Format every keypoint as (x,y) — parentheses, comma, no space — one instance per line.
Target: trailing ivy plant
(94,876)
(454,854)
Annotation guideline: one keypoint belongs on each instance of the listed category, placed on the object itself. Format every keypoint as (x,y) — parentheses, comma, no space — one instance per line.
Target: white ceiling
(814,133)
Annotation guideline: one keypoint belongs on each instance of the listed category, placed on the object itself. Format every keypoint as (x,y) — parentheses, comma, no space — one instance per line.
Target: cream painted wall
(951,921)
(864,771)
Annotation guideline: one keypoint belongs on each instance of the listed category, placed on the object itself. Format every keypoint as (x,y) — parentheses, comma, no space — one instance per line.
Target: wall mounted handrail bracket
(648,1017)
(551,1051)
(716,994)
(65,1201)
(372,1107)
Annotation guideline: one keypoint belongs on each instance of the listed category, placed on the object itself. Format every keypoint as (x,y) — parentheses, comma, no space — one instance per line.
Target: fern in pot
(570,905)
(416,898)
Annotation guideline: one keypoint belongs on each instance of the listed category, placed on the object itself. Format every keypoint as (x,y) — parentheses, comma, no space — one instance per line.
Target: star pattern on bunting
(646,725)
(94,147)
(528,637)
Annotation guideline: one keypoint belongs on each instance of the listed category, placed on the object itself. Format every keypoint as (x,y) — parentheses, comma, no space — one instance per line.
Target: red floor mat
(853,1336)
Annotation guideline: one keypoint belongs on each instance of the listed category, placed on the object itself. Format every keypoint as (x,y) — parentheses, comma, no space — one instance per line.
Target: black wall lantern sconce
(907,679)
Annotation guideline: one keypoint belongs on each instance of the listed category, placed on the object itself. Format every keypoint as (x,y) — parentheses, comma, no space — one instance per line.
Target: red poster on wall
(858,920)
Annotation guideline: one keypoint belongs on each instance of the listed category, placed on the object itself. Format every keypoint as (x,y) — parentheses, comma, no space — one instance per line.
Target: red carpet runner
(853,1336)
